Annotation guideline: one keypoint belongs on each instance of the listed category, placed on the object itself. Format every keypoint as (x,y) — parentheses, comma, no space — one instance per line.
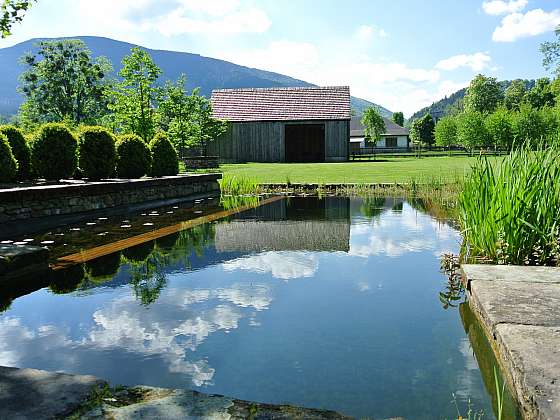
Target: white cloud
(178,22)
(367,33)
(477,62)
(500,7)
(282,265)
(532,23)
(176,17)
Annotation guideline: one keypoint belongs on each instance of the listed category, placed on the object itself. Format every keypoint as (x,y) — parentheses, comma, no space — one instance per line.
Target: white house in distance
(395,136)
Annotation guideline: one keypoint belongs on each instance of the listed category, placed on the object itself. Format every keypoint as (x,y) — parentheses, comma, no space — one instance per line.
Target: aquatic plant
(238,185)
(510,214)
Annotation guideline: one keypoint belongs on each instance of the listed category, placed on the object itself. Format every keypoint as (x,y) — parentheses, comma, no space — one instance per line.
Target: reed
(510,212)
(238,185)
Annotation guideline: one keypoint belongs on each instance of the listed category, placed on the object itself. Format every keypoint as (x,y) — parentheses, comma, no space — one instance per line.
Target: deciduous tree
(499,127)
(484,94)
(446,132)
(374,125)
(134,99)
(422,130)
(63,83)
(12,11)
(515,94)
(471,130)
(398,118)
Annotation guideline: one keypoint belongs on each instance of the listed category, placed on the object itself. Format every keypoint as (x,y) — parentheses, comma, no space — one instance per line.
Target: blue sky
(402,54)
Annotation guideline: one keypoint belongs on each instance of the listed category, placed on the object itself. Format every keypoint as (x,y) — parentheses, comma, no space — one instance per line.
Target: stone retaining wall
(20,204)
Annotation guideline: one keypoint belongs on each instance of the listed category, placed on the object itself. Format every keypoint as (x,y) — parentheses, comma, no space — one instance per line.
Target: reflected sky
(348,319)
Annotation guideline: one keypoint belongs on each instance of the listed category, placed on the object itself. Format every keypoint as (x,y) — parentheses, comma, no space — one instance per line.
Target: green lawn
(399,170)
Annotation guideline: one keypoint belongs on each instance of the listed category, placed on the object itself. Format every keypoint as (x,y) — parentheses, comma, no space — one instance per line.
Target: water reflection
(327,303)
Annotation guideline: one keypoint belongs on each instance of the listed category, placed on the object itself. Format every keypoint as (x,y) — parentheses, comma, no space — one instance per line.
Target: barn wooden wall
(263,141)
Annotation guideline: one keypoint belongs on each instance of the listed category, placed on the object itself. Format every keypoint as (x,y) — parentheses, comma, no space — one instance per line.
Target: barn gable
(283,124)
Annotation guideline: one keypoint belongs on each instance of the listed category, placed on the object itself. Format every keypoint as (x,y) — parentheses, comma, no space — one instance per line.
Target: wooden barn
(310,124)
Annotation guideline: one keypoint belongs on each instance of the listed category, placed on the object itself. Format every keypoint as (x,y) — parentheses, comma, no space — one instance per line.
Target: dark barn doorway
(305,143)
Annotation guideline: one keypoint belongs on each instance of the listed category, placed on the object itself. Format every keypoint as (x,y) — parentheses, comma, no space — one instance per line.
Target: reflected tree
(68,280)
(373,207)
(148,277)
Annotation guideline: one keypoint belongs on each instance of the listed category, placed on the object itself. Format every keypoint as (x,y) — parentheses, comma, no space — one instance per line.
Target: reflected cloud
(395,235)
(282,265)
(185,320)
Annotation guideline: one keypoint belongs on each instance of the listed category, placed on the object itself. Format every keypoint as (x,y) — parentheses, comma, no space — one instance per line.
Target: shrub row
(56,153)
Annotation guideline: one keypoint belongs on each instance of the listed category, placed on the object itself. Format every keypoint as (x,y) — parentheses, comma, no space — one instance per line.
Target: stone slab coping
(519,310)
(33,394)
(77,188)
(510,273)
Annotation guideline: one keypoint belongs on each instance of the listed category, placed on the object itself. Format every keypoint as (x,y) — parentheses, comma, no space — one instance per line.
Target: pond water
(327,303)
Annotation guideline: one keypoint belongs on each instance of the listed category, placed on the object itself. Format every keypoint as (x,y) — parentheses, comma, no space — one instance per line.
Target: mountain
(203,72)
(450,104)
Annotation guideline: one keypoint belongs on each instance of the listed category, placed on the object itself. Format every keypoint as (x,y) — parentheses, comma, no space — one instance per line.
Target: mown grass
(396,170)
(510,213)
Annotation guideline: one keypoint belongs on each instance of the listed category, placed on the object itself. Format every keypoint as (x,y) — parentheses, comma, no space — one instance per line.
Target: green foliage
(541,94)
(528,126)
(484,94)
(20,149)
(551,52)
(499,127)
(422,130)
(63,83)
(509,215)
(165,159)
(207,129)
(97,153)
(237,185)
(134,99)
(8,163)
(515,94)
(398,118)
(471,130)
(53,152)
(374,125)
(446,132)
(177,114)
(134,158)
(12,11)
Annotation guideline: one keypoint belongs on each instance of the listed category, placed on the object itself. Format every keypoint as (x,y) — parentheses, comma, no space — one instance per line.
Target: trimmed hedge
(165,159)
(97,153)
(53,152)
(20,150)
(134,158)
(8,163)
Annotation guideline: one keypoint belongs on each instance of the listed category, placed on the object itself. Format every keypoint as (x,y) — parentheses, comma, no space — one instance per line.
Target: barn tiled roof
(282,104)
(391,128)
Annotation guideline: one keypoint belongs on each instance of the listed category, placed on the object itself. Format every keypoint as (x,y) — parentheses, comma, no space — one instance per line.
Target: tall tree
(135,97)
(374,125)
(209,128)
(63,83)
(446,131)
(499,128)
(422,130)
(12,11)
(398,118)
(515,94)
(541,94)
(177,114)
(484,94)
(471,130)
(551,52)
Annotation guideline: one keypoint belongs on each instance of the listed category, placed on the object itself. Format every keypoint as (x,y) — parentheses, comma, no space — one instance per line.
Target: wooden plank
(101,251)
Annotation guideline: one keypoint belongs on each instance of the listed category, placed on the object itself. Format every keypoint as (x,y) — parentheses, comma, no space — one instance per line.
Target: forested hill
(206,73)
(451,104)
